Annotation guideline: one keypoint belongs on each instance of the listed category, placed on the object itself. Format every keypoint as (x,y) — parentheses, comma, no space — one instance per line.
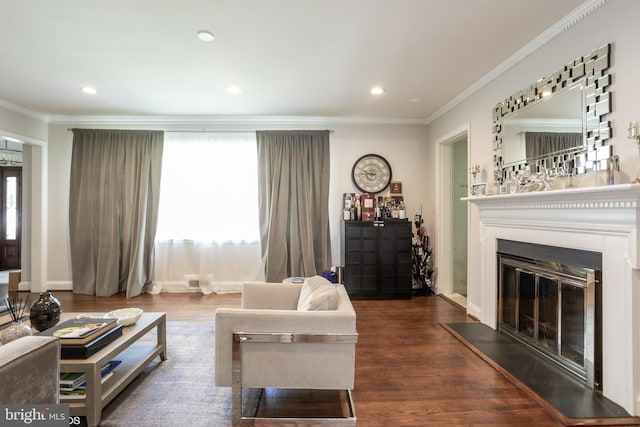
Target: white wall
(402,145)
(22,126)
(616,23)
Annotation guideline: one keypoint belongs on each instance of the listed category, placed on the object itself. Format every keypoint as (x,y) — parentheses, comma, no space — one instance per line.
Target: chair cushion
(317,293)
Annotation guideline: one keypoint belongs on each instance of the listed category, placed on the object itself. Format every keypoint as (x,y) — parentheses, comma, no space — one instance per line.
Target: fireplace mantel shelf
(590,210)
(620,195)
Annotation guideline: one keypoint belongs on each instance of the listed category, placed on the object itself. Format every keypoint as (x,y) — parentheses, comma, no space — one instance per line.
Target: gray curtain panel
(540,144)
(113,209)
(293,176)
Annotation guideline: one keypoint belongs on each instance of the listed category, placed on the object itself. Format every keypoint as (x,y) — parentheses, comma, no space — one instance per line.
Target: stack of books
(80,338)
(73,385)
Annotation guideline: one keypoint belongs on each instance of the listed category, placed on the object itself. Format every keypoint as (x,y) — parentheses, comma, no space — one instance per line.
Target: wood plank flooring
(409,370)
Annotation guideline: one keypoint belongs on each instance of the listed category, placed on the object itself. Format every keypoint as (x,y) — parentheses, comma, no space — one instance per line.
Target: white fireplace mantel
(600,219)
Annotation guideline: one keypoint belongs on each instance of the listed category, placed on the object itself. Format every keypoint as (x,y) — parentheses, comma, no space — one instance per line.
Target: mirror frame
(591,70)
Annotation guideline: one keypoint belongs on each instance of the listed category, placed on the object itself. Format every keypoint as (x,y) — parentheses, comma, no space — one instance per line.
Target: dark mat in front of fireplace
(563,396)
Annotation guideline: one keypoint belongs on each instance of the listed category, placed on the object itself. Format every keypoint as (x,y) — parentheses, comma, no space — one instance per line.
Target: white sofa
(281,342)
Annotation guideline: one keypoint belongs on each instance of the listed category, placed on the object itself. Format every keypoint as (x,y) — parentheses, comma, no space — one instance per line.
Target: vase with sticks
(17,329)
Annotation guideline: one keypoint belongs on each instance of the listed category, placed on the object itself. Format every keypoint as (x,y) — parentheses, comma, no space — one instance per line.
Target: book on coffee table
(70,381)
(80,331)
(106,372)
(83,351)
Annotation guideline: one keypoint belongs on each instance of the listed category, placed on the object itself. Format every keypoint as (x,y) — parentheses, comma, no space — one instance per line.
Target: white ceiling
(293,58)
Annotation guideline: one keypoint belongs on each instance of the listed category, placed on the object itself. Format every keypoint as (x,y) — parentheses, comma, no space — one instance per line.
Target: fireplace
(602,220)
(549,300)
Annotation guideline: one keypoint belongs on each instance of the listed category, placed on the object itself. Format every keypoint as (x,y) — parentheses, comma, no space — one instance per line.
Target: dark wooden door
(11,217)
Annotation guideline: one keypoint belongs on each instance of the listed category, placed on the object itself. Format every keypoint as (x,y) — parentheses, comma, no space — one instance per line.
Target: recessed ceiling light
(206,36)
(233,89)
(377,90)
(89,90)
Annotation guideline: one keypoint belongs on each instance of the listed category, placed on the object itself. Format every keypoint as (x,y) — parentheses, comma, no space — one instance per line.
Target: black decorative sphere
(45,312)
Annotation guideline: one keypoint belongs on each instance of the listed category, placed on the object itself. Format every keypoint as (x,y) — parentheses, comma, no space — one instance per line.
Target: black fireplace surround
(549,299)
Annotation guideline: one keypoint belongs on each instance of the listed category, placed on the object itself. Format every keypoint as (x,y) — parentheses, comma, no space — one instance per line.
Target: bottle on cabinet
(402,211)
(369,207)
(346,213)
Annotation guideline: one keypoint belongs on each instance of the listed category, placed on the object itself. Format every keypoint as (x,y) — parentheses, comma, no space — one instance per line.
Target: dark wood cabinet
(377,259)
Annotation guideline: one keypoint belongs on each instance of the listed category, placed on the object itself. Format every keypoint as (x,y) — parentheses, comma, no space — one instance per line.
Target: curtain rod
(208,131)
(237,131)
(218,131)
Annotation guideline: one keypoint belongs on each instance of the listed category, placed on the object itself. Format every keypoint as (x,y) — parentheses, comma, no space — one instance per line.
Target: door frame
(444,249)
(34,212)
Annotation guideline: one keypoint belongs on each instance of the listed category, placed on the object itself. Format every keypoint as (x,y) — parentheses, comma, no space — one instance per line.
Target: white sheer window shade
(208,234)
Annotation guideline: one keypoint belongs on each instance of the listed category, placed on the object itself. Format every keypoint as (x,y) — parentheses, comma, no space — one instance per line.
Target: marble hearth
(599,219)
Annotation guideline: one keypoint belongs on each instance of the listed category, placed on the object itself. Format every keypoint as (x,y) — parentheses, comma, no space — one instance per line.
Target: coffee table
(135,355)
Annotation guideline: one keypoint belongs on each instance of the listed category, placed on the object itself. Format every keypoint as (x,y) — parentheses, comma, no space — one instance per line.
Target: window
(11,208)
(209,188)
(208,234)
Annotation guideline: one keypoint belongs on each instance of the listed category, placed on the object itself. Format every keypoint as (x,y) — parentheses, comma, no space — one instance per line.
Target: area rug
(179,391)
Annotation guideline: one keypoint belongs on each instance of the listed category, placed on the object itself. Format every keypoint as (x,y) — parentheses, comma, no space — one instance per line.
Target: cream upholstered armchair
(292,336)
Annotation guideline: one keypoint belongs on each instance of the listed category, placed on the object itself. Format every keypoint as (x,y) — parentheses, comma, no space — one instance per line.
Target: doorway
(460,189)
(10,217)
(452,215)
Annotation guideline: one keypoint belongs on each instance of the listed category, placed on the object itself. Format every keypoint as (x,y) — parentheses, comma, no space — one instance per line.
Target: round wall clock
(371,173)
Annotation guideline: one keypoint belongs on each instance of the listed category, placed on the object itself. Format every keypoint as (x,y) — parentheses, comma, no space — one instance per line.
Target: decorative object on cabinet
(368,207)
(583,83)
(634,133)
(371,173)
(377,258)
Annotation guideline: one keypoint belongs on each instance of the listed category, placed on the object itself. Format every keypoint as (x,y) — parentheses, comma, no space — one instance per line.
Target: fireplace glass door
(546,306)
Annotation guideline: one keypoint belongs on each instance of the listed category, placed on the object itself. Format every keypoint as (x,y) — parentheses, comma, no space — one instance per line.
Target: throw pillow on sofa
(317,293)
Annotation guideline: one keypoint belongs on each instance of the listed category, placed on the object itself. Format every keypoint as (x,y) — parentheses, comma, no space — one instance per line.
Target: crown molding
(223,120)
(543,39)
(18,109)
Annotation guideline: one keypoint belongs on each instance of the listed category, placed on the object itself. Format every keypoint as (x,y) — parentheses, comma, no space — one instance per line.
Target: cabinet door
(361,259)
(394,240)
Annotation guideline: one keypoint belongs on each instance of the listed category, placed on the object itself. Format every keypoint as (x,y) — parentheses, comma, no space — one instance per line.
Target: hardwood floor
(409,370)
